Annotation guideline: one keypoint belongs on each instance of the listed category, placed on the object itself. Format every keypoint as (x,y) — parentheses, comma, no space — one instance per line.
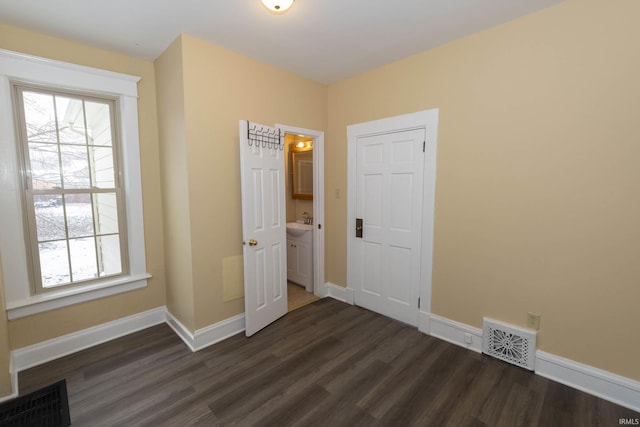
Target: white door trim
(319,287)
(427,120)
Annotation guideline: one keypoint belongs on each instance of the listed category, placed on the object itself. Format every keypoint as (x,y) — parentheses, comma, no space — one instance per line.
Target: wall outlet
(533,321)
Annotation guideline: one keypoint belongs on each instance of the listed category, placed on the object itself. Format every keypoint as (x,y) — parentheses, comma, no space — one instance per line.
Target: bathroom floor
(298,296)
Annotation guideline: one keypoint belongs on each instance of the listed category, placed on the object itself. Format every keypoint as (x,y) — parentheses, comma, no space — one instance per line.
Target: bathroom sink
(298,229)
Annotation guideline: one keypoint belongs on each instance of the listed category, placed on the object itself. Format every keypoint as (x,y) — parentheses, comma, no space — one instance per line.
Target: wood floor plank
(326,364)
(286,411)
(494,401)
(416,362)
(416,401)
(264,384)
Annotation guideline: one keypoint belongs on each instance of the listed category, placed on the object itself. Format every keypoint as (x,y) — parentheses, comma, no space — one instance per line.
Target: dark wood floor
(326,364)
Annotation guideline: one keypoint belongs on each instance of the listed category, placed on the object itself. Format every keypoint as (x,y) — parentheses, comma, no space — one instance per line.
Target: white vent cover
(509,343)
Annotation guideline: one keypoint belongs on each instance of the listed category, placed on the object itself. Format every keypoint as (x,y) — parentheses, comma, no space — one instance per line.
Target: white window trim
(20,301)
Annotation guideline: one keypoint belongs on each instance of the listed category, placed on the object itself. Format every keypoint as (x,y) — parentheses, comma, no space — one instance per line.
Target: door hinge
(424,143)
(418,302)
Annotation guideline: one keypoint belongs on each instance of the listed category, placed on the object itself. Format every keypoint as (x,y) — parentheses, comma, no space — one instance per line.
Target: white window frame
(20,299)
(19,89)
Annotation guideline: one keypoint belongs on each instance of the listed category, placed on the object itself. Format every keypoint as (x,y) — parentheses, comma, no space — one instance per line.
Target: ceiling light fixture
(277,6)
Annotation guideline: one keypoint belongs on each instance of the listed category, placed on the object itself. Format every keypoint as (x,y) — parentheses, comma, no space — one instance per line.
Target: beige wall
(44,326)
(537,185)
(175,184)
(222,87)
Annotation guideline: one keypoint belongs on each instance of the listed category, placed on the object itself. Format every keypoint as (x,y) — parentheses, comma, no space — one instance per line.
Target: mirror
(302,168)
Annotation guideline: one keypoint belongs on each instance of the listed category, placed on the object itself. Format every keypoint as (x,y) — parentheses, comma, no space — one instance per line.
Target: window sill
(66,297)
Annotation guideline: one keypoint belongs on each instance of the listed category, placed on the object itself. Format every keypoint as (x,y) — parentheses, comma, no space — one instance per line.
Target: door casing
(319,287)
(427,120)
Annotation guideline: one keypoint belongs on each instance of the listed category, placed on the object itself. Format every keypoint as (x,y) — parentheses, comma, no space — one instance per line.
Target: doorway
(264,228)
(391,193)
(304,215)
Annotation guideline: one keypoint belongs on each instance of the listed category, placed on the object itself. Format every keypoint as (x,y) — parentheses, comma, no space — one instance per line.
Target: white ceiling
(324,40)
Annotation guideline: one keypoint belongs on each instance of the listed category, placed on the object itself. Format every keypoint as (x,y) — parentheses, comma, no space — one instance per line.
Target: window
(73,192)
(71,219)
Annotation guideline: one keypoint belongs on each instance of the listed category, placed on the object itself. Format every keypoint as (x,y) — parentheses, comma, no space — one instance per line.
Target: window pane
(39,117)
(75,166)
(109,255)
(45,166)
(49,217)
(79,215)
(70,148)
(83,259)
(103,170)
(71,128)
(54,263)
(106,209)
(98,123)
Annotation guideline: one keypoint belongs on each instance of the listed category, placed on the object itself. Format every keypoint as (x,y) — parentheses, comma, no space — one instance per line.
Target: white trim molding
(606,385)
(427,120)
(18,67)
(208,335)
(14,382)
(424,322)
(66,75)
(182,331)
(220,331)
(318,203)
(339,293)
(43,352)
(456,332)
(57,299)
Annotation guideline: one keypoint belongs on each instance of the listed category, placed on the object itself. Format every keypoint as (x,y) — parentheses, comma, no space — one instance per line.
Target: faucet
(307,219)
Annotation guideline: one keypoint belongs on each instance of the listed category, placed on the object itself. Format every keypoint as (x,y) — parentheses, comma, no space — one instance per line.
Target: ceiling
(323,40)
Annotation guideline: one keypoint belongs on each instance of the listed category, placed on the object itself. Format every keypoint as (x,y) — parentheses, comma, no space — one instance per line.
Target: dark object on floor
(47,407)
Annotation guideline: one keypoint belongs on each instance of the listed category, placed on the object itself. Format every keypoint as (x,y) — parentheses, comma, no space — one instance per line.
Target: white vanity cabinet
(300,259)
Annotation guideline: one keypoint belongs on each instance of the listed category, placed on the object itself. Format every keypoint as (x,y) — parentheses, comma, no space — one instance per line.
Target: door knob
(253,242)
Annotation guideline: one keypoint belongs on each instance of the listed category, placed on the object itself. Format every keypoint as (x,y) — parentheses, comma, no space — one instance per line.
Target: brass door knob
(253,242)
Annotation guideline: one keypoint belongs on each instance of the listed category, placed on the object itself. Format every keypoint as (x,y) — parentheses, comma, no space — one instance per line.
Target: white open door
(263,225)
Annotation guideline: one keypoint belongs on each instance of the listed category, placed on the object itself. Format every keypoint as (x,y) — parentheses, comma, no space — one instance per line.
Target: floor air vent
(509,343)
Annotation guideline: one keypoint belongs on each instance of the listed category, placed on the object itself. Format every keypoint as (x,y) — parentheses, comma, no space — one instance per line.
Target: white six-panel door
(263,228)
(389,196)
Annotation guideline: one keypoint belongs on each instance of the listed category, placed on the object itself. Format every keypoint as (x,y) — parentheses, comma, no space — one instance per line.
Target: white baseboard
(13,395)
(424,322)
(209,335)
(615,388)
(606,385)
(37,354)
(14,382)
(340,293)
(182,331)
(455,332)
(219,331)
